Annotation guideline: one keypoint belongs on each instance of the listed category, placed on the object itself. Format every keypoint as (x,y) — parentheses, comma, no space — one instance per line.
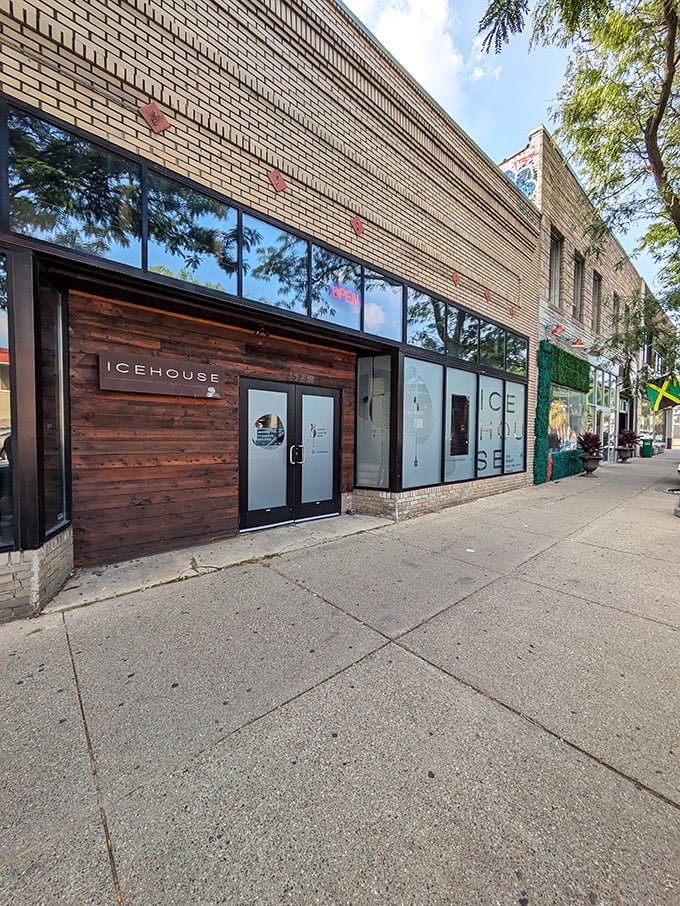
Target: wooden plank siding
(153,473)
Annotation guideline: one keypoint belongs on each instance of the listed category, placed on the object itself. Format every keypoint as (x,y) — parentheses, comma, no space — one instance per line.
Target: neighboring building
(584,294)
(250,273)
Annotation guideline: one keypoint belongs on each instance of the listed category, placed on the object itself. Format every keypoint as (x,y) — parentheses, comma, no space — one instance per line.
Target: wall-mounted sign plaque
(147,374)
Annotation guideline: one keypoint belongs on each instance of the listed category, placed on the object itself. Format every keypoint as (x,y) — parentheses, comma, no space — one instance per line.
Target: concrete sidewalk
(474,707)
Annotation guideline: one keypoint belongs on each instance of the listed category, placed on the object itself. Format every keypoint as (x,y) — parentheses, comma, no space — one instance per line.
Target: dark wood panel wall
(153,473)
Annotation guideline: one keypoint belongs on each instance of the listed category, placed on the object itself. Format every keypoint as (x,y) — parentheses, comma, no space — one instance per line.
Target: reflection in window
(422,415)
(274,266)
(268,431)
(53,408)
(516,354)
(6,478)
(383,306)
(459,440)
(462,334)
(491,345)
(373,422)
(336,288)
(65,190)
(568,416)
(192,237)
(425,321)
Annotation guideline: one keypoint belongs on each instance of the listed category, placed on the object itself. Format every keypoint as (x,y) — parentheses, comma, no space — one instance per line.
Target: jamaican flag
(664,391)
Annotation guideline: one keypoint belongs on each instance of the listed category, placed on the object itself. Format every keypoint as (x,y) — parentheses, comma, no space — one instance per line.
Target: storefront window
(53,409)
(425,321)
(422,449)
(6,464)
(490,427)
(491,345)
(516,354)
(461,425)
(373,422)
(336,288)
(65,190)
(275,268)
(192,237)
(383,306)
(515,427)
(568,417)
(462,334)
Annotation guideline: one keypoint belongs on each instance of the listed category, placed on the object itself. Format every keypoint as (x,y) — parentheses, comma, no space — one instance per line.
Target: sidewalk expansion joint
(643,787)
(93,767)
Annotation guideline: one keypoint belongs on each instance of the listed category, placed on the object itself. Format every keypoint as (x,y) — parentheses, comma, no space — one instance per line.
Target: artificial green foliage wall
(555,366)
(569,371)
(544,358)
(565,463)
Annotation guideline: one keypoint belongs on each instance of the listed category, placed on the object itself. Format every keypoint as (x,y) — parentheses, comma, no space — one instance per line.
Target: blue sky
(496,99)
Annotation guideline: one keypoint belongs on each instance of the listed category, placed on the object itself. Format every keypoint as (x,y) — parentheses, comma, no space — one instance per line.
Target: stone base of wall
(29,579)
(405,504)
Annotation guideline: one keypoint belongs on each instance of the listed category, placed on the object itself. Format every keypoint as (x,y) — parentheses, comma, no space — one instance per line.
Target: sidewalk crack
(93,767)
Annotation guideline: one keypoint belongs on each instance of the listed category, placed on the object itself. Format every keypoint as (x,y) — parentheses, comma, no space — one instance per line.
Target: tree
(619,109)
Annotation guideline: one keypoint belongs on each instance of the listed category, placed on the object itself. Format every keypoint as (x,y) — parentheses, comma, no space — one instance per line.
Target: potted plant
(590,446)
(628,441)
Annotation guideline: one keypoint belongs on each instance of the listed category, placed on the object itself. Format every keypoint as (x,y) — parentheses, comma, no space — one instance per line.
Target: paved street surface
(474,707)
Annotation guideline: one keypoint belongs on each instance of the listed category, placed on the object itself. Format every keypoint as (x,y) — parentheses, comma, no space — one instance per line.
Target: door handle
(291,455)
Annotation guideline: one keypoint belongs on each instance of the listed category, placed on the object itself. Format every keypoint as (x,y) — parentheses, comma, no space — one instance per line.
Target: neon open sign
(345,294)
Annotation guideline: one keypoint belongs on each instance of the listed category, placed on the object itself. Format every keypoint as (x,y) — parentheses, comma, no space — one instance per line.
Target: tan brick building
(271,280)
(585,287)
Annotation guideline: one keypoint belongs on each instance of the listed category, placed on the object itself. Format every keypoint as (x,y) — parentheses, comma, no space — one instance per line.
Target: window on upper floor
(577,304)
(596,310)
(554,279)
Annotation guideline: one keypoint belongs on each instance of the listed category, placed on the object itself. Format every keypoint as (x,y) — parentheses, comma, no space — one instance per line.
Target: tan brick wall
(250,85)
(29,579)
(407,504)
(567,209)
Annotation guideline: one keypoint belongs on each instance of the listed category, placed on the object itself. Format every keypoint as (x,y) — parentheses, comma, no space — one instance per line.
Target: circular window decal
(268,431)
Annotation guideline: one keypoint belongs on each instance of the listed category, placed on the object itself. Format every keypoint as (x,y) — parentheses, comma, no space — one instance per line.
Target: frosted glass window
(515,427)
(373,422)
(422,443)
(490,427)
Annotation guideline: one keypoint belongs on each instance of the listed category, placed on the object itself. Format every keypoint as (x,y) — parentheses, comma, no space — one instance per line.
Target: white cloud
(374,316)
(421,37)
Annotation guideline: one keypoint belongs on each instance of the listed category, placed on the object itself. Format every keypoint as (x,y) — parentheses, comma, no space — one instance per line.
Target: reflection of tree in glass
(491,345)
(283,263)
(186,276)
(83,197)
(463,331)
(329,268)
(187,223)
(425,319)
(515,354)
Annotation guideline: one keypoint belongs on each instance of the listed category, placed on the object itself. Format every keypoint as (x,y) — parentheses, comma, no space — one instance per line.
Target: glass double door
(289,453)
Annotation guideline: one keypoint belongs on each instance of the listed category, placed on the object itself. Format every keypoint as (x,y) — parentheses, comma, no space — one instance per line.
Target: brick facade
(299,86)
(29,579)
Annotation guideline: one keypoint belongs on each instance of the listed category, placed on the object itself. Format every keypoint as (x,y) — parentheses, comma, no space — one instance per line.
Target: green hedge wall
(555,366)
(569,371)
(565,463)
(544,357)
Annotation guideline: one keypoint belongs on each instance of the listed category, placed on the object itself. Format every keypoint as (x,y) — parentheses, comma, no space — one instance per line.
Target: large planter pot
(590,463)
(624,453)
